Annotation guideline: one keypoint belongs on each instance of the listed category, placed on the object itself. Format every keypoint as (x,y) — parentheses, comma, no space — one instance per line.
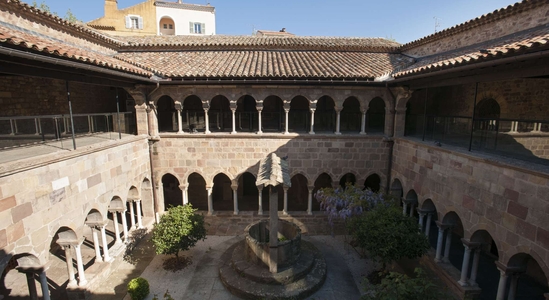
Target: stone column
(132,214)
(141,118)
(235,198)
(70,269)
(233,110)
(465,266)
(31,284)
(363,123)
(153,120)
(441,229)
(259,109)
(513,286)
(404,206)
(80,266)
(412,207)
(474,269)
(421,214)
(210,200)
(44,286)
(428,225)
(183,189)
(402,96)
(310,201)
(124,225)
(96,244)
(312,120)
(286,111)
(285,210)
(338,119)
(179,109)
(502,283)
(139,218)
(115,225)
(260,199)
(106,256)
(207,120)
(448,246)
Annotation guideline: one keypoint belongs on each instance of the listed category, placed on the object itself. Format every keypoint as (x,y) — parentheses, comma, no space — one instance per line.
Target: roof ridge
(491,17)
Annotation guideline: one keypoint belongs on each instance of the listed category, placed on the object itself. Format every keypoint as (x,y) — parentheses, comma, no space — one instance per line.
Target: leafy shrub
(138,288)
(396,286)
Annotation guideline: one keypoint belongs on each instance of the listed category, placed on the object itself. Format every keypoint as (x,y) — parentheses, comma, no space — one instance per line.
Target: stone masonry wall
(40,195)
(510,203)
(527,18)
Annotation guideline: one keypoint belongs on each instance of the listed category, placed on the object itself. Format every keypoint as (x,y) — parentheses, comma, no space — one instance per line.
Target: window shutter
(140,23)
(191,27)
(128,22)
(203,28)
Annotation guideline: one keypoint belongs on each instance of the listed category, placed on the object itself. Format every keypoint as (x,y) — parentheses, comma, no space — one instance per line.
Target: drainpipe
(153,179)
(391,143)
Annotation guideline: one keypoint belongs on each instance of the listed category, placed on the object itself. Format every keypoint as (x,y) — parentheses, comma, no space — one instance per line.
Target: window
(134,22)
(166,26)
(198,28)
(171,26)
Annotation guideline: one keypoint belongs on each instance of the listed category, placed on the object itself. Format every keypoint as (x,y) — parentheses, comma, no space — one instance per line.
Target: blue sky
(402,20)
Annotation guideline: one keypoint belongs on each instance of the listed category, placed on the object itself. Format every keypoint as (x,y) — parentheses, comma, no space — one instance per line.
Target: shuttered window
(197,28)
(134,22)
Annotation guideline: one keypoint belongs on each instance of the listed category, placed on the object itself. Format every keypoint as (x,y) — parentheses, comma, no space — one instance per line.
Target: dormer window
(134,22)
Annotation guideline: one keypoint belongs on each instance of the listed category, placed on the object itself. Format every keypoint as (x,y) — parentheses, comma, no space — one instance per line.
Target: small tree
(179,229)
(396,286)
(388,235)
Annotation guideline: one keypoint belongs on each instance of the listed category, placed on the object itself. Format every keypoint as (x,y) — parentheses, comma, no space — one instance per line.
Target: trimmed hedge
(138,288)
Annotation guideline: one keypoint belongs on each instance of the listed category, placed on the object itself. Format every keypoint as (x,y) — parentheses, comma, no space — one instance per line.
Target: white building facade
(176,18)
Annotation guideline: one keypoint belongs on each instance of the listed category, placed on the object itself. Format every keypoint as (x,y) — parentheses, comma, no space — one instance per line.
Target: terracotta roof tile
(26,40)
(509,45)
(267,64)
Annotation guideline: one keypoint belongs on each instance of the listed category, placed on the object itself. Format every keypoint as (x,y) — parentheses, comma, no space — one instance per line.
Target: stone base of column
(463,283)
(445,260)
(235,212)
(338,133)
(233,132)
(438,261)
(311,132)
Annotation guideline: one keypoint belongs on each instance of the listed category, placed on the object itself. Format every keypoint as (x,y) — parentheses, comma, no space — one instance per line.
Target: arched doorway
(166,26)
(222,193)
(173,196)
(247,193)
(167,114)
(347,179)
(272,116)
(322,181)
(531,280)
(246,114)
(351,117)
(298,194)
(299,115)
(193,114)
(325,115)
(220,114)
(373,182)
(376,116)
(198,195)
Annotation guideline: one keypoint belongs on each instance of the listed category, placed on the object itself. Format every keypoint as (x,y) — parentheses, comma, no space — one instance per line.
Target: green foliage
(138,288)
(388,235)
(43,7)
(179,229)
(69,16)
(396,286)
(167,296)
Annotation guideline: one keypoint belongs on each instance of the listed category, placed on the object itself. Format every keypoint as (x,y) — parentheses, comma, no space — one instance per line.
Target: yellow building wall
(117,18)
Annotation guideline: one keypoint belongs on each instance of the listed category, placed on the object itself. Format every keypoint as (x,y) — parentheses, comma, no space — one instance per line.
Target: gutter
(65,63)
(391,142)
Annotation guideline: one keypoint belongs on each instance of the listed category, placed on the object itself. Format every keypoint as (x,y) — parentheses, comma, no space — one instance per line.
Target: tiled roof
(267,64)
(529,40)
(224,42)
(27,41)
(494,16)
(207,8)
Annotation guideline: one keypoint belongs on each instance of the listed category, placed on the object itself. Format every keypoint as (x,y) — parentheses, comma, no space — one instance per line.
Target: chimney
(179,1)
(110,7)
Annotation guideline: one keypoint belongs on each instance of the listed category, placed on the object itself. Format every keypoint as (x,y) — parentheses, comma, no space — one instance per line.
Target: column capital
(312,109)
(444,226)
(424,211)
(97,224)
(183,187)
(470,245)
(285,188)
(506,270)
(260,187)
(311,188)
(234,187)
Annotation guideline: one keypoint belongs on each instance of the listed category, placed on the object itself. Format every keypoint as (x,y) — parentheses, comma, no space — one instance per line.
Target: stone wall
(530,16)
(42,194)
(510,203)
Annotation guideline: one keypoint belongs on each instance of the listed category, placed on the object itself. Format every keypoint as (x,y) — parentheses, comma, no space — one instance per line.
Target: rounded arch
(133,193)
(247,192)
(220,114)
(299,115)
(196,190)
(350,116)
(298,193)
(173,196)
(534,279)
(147,200)
(272,115)
(222,193)
(192,115)
(246,114)
(323,180)
(487,113)
(94,216)
(166,26)
(373,182)
(376,116)
(167,114)
(428,205)
(300,172)
(396,189)
(116,203)
(325,115)
(348,178)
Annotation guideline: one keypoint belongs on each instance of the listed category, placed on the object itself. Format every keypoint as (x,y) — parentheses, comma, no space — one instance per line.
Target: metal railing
(22,130)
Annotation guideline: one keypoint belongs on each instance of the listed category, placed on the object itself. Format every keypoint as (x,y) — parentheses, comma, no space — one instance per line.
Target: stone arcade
(455,124)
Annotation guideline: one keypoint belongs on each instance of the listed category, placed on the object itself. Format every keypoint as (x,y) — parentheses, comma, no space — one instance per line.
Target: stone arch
(298,193)
(133,193)
(247,192)
(246,114)
(396,189)
(325,115)
(272,115)
(173,196)
(18,280)
(411,200)
(456,234)
(198,195)
(375,116)
(373,182)
(166,26)
(350,116)
(484,237)
(534,270)
(166,114)
(301,172)
(299,116)
(323,180)
(222,193)
(192,114)
(94,215)
(220,114)
(348,177)
(429,209)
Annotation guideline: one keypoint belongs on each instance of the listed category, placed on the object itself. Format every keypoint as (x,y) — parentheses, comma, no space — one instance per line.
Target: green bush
(138,288)
(396,286)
